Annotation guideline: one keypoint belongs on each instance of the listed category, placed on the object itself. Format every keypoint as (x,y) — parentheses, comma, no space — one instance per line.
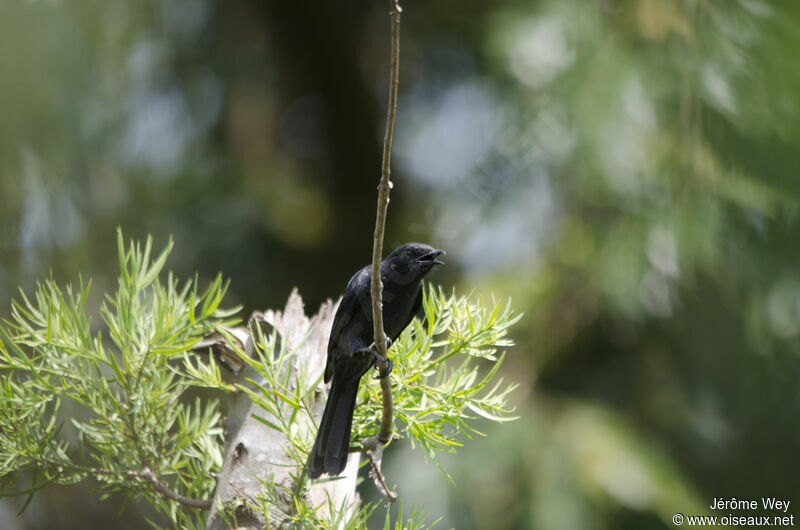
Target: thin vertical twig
(385,185)
(380,222)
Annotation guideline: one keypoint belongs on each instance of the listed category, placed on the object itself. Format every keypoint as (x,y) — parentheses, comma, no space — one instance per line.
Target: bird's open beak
(430,257)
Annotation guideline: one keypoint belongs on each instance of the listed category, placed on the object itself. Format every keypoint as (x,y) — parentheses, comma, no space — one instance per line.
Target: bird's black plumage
(349,352)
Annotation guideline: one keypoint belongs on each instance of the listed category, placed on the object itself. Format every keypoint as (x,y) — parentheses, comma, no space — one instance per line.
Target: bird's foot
(387,371)
(373,349)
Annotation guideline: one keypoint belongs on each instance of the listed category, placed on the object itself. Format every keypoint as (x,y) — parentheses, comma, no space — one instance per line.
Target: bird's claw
(378,359)
(387,371)
(374,349)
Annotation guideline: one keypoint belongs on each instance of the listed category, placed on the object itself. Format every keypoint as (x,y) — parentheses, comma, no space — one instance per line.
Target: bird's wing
(344,314)
(414,312)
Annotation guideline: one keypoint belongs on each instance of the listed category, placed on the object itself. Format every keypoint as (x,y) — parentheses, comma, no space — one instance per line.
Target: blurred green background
(626,171)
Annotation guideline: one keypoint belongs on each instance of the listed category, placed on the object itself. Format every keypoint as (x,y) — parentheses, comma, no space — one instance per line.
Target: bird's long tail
(329,454)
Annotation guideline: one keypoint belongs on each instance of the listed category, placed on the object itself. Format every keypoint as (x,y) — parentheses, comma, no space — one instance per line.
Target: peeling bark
(253,450)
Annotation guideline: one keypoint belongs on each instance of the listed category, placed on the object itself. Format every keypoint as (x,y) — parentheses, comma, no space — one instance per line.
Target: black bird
(351,349)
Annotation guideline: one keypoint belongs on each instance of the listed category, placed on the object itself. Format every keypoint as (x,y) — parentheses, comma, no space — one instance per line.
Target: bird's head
(412,261)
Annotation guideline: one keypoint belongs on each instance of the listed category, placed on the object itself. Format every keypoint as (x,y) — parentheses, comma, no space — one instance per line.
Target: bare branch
(163,489)
(380,222)
(377,475)
(385,185)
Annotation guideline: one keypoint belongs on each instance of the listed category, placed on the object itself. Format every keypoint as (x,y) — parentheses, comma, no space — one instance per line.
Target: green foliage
(120,390)
(120,393)
(438,385)
(627,170)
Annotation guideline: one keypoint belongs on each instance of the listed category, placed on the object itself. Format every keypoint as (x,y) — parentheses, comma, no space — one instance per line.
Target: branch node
(377,475)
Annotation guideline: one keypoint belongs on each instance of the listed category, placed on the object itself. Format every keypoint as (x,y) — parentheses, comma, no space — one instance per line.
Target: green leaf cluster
(444,381)
(445,376)
(125,404)
(118,390)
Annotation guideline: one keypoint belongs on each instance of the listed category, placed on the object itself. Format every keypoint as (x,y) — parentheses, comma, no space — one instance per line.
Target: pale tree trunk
(254,450)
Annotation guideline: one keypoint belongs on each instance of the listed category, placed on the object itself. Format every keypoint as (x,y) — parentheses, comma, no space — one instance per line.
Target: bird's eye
(408,253)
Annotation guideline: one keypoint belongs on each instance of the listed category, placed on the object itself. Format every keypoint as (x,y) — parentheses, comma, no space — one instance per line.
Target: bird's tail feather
(329,454)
